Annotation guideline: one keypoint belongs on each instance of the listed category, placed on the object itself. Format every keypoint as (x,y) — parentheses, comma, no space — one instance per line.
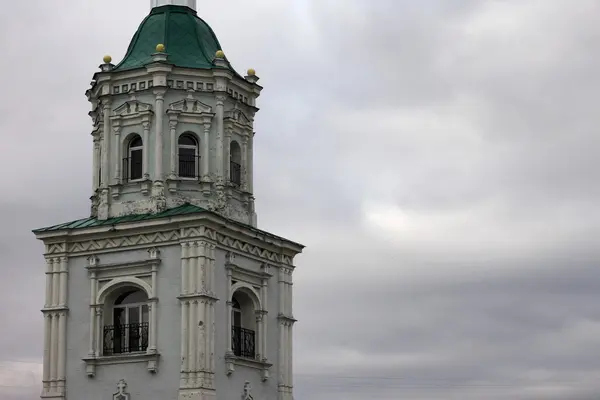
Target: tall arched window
(189,160)
(133,168)
(243,326)
(129,318)
(235,163)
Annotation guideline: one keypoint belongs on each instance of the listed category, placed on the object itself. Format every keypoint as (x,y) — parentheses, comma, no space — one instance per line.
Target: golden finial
(160,48)
(107,59)
(251,72)
(220,54)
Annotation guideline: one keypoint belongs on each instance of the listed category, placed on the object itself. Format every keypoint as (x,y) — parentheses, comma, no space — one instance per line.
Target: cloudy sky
(437,157)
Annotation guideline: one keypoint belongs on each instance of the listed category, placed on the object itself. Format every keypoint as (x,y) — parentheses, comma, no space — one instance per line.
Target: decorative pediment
(236,115)
(190,106)
(131,107)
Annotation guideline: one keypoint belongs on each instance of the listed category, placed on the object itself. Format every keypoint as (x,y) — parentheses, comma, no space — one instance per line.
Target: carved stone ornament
(122,391)
(154,253)
(132,107)
(246,395)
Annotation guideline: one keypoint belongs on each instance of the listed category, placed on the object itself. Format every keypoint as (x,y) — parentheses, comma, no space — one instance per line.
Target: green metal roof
(185,209)
(189,41)
(91,222)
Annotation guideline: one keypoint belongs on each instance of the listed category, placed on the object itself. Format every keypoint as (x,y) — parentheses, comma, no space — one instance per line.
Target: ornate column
(106,143)
(47,352)
(62,323)
(173,119)
(99,336)
(219,116)
(185,367)
(158,145)
(53,351)
(206,153)
(96,164)
(152,349)
(93,294)
(118,150)
(244,163)
(286,321)
(145,153)
(227,155)
(250,165)
(264,311)
(229,303)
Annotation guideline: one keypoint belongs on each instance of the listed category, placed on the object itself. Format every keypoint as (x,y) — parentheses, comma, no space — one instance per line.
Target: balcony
(242,341)
(123,339)
(235,173)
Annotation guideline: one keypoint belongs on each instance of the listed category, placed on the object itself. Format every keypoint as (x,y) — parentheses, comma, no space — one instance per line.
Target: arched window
(235,164)
(126,326)
(243,326)
(189,160)
(133,168)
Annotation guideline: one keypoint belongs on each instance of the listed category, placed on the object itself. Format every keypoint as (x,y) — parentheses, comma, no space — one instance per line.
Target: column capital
(159,93)
(220,99)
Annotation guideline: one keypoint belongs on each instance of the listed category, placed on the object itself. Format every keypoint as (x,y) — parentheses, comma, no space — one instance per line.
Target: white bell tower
(168,289)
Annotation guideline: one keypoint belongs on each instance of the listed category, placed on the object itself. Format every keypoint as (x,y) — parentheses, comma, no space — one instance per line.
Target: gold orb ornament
(220,54)
(107,59)
(160,48)
(251,72)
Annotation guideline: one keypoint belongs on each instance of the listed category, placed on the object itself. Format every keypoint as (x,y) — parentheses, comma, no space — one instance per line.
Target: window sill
(232,360)
(150,358)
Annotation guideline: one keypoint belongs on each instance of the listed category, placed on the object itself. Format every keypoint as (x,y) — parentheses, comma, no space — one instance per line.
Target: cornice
(226,234)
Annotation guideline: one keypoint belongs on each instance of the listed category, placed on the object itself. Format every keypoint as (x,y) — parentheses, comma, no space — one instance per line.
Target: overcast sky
(437,157)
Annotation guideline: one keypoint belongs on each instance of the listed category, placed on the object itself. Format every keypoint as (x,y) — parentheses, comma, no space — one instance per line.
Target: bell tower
(173,122)
(168,290)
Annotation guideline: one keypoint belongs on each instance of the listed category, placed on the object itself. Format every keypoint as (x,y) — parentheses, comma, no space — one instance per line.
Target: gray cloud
(437,158)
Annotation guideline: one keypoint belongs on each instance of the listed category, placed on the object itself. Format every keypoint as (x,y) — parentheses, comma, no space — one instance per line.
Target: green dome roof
(189,41)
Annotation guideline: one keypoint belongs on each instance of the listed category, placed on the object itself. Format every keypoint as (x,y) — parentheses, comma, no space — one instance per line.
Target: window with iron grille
(129,325)
(133,164)
(243,339)
(189,160)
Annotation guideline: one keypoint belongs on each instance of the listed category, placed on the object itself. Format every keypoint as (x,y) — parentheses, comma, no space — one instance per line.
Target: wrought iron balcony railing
(129,338)
(242,341)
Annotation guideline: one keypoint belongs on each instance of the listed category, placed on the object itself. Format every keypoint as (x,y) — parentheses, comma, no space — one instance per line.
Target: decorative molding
(246,395)
(131,108)
(121,391)
(151,359)
(231,361)
(168,237)
(237,117)
(191,106)
(130,264)
(124,241)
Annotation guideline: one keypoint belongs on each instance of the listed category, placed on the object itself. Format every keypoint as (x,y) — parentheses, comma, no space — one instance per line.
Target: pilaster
(173,120)
(219,113)
(286,323)
(55,332)
(197,319)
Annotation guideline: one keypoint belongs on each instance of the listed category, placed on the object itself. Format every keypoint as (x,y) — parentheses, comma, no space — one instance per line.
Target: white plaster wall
(163,385)
(142,383)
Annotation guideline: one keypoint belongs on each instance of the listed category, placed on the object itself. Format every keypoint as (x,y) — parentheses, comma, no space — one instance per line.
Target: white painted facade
(157,308)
